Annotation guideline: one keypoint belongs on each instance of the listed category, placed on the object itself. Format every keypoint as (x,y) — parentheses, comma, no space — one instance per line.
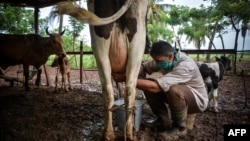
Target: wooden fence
(217,51)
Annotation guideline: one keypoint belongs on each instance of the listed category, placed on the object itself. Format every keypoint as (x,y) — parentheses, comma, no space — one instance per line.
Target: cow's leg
(26,76)
(38,79)
(210,97)
(64,82)
(215,94)
(56,81)
(132,74)
(101,52)
(136,49)
(108,98)
(133,66)
(69,83)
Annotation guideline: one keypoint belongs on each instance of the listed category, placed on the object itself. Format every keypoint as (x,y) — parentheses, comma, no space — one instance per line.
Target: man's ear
(170,56)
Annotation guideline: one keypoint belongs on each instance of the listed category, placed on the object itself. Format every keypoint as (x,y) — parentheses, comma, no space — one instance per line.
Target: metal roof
(32,3)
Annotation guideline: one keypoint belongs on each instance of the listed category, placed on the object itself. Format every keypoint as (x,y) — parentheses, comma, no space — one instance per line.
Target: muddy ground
(42,115)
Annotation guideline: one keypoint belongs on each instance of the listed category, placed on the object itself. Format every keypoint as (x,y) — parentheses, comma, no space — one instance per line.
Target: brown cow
(62,62)
(30,49)
(118,43)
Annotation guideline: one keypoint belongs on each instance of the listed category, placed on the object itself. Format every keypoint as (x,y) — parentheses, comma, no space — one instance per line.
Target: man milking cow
(181,87)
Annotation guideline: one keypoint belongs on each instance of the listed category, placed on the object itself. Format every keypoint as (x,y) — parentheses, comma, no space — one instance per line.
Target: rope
(130,110)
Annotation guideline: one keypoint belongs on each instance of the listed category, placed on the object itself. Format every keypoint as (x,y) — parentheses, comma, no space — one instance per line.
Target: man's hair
(161,48)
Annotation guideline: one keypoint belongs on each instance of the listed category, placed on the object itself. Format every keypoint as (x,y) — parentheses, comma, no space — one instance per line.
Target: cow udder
(118,53)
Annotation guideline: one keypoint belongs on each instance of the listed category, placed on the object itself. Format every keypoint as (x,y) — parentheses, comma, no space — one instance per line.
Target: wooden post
(36,17)
(81,63)
(235,61)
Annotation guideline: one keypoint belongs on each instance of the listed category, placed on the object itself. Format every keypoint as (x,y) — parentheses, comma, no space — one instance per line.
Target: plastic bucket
(120,114)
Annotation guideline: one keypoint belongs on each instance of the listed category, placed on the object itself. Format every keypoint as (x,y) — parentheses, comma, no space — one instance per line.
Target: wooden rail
(188,51)
(217,51)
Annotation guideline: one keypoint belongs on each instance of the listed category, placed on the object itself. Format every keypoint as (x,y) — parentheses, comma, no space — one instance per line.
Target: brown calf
(62,64)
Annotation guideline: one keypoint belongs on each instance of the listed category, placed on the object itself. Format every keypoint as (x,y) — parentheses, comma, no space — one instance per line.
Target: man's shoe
(171,134)
(158,125)
(178,128)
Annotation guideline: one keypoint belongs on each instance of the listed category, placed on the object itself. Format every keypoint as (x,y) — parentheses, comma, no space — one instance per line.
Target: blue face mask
(165,65)
(168,65)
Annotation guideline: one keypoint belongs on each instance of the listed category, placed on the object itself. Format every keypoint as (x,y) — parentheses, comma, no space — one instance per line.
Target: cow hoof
(130,131)
(27,88)
(70,89)
(108,137)
(216,110)
(132,139)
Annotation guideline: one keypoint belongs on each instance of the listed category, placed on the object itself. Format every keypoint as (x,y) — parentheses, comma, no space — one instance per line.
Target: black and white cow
(212,74)
(118,37)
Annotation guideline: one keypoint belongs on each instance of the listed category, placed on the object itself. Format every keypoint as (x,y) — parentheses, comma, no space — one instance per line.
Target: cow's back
(13,48)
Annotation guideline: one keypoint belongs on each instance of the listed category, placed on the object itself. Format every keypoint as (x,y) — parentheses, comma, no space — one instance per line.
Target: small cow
(212,74)
(63,65)
(118,44)
(29,49)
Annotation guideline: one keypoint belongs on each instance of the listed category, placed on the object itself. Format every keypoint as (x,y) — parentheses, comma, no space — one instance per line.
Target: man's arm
(148,85)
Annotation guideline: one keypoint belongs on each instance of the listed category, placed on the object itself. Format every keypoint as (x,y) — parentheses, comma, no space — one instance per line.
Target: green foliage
(236,12)
(16,19)
(89,61)
(178,15)
(43,24)
(76,26)
(157,31)
(157,24)
(67,43)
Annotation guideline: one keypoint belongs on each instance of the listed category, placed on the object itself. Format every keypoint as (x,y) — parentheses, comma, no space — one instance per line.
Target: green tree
(77,27)
(236,11)
(222,29)
(16,20)
(177,17)
(157,23)
(195,29)
(214,18)
(244,28)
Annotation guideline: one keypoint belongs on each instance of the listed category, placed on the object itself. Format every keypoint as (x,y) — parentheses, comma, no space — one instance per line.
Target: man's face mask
(167,65)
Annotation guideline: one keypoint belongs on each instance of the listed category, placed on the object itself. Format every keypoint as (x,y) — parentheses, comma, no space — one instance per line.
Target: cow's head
(226,62)
(56,42)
